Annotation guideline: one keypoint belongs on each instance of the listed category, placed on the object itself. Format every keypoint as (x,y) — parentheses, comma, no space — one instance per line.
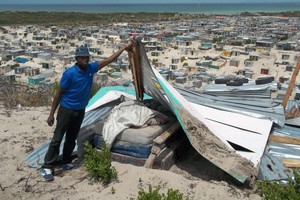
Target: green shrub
(95,88)
(55,87)
(98,164)
(279,191)
(155,195)
(154,61)
(217,40)
(182,59)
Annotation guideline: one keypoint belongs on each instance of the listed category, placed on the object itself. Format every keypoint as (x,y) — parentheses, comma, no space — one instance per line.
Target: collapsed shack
(136,137)
(232,134)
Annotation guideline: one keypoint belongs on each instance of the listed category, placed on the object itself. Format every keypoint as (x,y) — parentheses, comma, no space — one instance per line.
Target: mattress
(137,151)
(128,159)
(143,136)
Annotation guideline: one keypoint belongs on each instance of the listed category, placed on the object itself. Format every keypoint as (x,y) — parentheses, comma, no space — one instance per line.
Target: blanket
(129,114)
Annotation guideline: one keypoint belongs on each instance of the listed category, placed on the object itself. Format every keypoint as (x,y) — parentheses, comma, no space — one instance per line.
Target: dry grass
(13,95)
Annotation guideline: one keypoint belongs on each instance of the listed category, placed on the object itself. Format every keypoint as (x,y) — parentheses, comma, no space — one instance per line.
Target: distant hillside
(67,18)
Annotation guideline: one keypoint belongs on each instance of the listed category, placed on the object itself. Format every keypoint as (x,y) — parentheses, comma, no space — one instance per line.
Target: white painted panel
(253,157)
(249,140)
(261,126)
(248,132)
(108,97)
(187,105)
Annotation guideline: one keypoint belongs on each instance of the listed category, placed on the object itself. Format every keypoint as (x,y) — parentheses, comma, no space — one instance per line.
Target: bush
(217,40)
(182,59)
(154,61)
(155,195)
(98,164)
(95,88)
(55,87)
(275,190)
(11,96)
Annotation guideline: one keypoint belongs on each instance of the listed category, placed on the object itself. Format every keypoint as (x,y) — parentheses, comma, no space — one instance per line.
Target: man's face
(82,61)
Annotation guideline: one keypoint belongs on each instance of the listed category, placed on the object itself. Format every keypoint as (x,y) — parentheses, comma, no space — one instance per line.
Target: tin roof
(256,107)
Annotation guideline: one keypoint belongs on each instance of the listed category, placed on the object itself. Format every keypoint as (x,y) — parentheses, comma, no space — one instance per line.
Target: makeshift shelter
(222,133)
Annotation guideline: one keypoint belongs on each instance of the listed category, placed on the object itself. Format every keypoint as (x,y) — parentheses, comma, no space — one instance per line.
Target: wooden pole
(134,60)
(139,75)
(291,85)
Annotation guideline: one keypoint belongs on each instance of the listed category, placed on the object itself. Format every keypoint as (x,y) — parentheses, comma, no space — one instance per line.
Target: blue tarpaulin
(21,60)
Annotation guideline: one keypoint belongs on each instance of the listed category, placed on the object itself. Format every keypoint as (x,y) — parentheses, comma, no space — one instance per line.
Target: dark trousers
(68,122)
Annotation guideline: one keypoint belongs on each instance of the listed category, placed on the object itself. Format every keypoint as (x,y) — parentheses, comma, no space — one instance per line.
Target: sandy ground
(25,129)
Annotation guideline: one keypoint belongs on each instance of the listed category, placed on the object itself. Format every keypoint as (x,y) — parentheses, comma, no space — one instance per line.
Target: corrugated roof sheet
(283,150)
(272,169)
(289,131)
(255,107)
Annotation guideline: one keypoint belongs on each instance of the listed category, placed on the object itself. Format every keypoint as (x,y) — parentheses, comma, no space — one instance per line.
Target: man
(73,96)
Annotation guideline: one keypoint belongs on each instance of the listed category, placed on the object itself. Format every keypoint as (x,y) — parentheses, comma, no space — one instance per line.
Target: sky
(137,1)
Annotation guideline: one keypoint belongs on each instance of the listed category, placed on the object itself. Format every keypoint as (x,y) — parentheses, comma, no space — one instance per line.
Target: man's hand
(50,120)
(129,46)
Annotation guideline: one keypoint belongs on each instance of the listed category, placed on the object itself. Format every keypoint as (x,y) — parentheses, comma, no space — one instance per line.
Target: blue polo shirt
(77,86)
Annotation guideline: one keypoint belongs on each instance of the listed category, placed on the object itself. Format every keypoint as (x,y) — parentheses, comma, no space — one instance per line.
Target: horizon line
(145,3)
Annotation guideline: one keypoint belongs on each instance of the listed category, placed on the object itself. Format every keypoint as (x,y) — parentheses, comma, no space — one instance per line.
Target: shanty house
(9,77)
(248,63)
(35,80)
(20,69)
(46,84)
(205,46)
(180,80)
(173,67)
(264,70)
(45,56)
(253,56)
(4,69)
(32,71)
(183,40)
(16,52)
(235,52)
(175,60)
(155,53)
(234,63)
(289,68)
(227,52)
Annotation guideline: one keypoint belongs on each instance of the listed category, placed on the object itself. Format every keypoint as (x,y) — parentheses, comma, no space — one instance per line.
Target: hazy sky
(136,1)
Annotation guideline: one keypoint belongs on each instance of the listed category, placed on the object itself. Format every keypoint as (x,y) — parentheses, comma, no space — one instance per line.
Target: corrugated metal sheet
(288,131)
(272,169)
(293,105)
(254,107)
(293,122)
(282,150)
(36,158)
(247,89)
